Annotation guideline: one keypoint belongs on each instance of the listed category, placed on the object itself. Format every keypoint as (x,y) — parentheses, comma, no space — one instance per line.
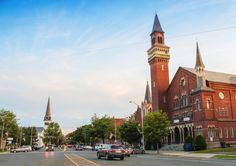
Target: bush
(188,139)
(199,143)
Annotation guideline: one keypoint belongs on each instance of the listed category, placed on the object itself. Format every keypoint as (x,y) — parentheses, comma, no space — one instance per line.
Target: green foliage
(27,133)
(188,139)
(199,143)
(156,126)
(130,131)
(102,127)
(82,135)
(11,128)
(53,134)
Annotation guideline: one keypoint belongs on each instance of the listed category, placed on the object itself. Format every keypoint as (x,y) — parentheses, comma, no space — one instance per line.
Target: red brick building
(198,102)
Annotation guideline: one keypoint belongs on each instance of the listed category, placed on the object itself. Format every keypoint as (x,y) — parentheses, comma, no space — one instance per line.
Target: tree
(199,143)
(156,127)
(53,134)
(8,122)
(82,135)
(130,131)
(28,135)
(103,127)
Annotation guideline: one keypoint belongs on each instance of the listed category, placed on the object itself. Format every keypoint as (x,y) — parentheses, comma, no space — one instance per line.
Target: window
(176,102)
(232,132)
(153,83)
(182,82)
(220,132)
(226,133)
(153,40)
(184,101)
(208,104)
(164,99)
(159,40)
(162,67)
(209,132)
(198,105)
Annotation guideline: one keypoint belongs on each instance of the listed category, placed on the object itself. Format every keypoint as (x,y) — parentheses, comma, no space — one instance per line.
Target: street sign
(10,139)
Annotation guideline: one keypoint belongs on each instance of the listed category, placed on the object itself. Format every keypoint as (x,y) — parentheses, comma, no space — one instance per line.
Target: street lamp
(143,142)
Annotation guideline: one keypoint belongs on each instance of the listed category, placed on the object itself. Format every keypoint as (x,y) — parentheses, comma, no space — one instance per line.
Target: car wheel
(122,158)
(98,156)
(107,157)
(128,155)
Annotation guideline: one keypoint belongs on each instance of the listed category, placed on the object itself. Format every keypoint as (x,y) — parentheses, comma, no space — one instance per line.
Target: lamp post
(143,142)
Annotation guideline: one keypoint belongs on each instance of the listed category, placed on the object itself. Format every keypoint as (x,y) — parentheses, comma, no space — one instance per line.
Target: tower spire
(157,25)
(147,97)
(199,67)
(48,116)
(199,63)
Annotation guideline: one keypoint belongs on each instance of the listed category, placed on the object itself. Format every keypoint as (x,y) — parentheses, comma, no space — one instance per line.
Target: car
(49,148)
(79,147)
(87,147)
(128,151)
(110,151)
(95,148)
(24,148)
(137,150)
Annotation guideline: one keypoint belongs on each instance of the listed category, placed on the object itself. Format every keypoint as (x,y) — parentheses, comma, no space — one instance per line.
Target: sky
(90,56)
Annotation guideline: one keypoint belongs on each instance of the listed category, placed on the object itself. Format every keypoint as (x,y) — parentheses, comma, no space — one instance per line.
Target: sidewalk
(182,154)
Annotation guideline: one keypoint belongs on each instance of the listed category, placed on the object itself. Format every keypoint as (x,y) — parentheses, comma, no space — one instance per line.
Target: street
(80,158)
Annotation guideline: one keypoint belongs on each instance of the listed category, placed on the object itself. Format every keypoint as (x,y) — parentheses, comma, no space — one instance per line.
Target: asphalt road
(150,160)
(88,158)
(35,158)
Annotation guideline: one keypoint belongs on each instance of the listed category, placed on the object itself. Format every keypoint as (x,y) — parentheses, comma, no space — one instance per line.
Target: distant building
(198,102)
(47,121)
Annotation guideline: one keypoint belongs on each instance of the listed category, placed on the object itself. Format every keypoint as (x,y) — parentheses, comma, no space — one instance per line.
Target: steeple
(199,67)
(199,63)
(48,116)
(147,98)
(157,25)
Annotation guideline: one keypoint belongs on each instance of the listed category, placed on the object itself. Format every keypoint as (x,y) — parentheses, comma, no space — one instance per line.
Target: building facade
(198,102)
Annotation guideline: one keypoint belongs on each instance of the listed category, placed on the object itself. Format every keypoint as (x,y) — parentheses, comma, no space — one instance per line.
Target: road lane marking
(89,161)
(71,160)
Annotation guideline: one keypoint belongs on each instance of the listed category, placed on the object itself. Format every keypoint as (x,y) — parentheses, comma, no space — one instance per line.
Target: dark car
(111,151)
(49,148)
(137,150)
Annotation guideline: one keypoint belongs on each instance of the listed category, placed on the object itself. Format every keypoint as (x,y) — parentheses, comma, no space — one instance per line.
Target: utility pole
(31,128)
(2,131)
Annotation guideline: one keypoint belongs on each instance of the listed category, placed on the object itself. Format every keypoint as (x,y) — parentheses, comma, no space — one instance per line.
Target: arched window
(226,133)
(208,104)
(209,132)
(159,39)
(220,133)
(153,40)
(198,105)
(184,101)
(232,132)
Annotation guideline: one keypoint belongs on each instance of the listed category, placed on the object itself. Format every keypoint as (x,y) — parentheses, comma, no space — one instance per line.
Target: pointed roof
(199,62)
(147,97)
(157,25)
(48,111)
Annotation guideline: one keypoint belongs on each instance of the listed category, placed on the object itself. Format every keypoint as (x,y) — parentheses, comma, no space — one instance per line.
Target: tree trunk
(158,150)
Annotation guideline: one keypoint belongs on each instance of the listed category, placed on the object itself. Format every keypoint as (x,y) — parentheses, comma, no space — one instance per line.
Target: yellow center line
(71,160)
(89,161)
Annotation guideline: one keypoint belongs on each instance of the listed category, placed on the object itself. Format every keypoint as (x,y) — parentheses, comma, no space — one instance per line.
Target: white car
(24,148)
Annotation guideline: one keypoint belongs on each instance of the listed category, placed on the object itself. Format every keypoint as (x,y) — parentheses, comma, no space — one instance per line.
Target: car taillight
(123,151)
(112,150)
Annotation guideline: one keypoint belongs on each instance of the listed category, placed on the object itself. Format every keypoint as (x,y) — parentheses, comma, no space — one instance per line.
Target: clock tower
(158,58)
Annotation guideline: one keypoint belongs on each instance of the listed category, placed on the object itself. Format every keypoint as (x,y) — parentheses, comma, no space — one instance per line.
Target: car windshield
(116,147)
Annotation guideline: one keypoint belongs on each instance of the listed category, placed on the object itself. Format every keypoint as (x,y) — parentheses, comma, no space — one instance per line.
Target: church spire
(199,67)
(147,97)
(199,63)
(157,25)
(48,116)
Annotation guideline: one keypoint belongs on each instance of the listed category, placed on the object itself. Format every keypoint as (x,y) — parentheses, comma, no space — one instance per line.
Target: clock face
(221,95)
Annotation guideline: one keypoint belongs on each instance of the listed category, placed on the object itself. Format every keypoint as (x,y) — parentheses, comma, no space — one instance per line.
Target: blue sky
(90,56)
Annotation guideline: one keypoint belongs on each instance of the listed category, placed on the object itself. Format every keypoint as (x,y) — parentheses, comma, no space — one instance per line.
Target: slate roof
(157,25)
(216,76)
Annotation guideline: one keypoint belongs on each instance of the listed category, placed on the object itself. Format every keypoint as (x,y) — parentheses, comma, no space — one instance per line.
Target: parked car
(137,150)
(111,151)
(128,151)
(49,148)
(95,147)
(87,147)
(24,148)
